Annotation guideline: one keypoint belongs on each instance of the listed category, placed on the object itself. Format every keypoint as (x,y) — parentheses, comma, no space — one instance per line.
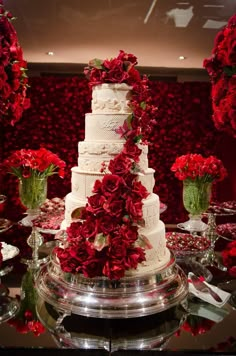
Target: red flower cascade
(13,78)
(104,242)
(221,68)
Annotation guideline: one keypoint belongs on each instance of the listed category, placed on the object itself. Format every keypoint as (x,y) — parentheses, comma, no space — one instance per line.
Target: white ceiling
(156,31)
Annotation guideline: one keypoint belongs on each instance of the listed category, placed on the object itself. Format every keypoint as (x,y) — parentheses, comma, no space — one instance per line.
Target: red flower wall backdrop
(55,121)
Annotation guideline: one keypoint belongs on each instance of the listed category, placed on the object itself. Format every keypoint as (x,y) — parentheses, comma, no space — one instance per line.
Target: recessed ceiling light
(181,58)
(50,53)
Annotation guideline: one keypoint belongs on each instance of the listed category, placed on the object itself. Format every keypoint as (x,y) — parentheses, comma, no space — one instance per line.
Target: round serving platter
(99,297)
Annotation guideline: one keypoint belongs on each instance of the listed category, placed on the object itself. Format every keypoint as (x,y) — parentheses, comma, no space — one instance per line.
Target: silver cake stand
(99,297)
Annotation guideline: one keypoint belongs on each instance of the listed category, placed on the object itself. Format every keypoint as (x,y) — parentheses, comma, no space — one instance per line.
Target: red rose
(88,229)
(114,207)
(129,234)
(139,190)
(16,71)
(135,256)
(107,224)
(131,150)
(113,269)
(116,73)
(120,165)
(95,203)
(127,57)
(112,184)
(134,209)
(92,267)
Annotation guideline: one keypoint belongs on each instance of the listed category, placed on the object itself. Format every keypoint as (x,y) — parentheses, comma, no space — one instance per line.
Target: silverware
(204,288)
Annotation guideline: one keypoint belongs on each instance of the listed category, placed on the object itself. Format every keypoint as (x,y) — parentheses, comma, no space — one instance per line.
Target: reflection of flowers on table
(196,325)
(26,319)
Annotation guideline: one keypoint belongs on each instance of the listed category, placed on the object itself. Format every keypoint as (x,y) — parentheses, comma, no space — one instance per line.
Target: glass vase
(33,193)
(196,199)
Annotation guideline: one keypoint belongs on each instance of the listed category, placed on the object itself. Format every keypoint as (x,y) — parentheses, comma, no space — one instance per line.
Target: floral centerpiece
(13,78)
(105,240)
(221,68)
(32,167)
(197,174)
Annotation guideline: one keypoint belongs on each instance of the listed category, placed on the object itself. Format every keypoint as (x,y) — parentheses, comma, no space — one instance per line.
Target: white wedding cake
(110,109)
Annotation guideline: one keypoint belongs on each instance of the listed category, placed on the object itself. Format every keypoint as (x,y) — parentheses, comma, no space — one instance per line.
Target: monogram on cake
(113,184)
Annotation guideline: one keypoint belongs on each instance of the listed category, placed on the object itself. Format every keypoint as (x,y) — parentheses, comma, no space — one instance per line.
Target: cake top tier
(111,98)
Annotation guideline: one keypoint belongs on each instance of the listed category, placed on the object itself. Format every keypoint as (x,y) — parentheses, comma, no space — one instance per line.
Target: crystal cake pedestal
(130,297)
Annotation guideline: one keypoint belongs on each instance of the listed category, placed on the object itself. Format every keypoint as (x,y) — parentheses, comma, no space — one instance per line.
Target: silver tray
(103,298)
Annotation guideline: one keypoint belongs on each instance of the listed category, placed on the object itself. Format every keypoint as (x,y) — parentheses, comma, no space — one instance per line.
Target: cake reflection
(80,332)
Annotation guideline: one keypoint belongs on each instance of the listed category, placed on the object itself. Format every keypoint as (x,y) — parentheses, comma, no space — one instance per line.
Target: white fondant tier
(102,127)
(151,209)
(111,98)
(82,182)
(93,154)
(156,257)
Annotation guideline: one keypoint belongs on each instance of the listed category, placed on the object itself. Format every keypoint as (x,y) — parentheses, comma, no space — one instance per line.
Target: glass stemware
(33,193)
(8,306)
(196,199)
(5,224)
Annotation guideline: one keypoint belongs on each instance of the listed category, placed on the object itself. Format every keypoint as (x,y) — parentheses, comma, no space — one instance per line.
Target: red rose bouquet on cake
(221,68)
(13,78)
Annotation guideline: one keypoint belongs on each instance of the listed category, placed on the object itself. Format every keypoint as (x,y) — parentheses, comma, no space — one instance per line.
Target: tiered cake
(110,109)
(114,262)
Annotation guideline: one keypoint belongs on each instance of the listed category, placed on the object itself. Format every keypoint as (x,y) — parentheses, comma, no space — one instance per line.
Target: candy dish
(227,231)
(187,249)
(184,244)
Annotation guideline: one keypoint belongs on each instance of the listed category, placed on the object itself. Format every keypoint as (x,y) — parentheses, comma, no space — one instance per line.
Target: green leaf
(144,242)
(230,71)
(129,120)
(100,241)
(137,139)
(143,105)
(96,63)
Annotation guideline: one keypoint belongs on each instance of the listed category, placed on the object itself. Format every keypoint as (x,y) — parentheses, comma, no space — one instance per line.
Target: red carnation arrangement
(195,166)
(13,78)
(221,68)
(106,240)
(40,163)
